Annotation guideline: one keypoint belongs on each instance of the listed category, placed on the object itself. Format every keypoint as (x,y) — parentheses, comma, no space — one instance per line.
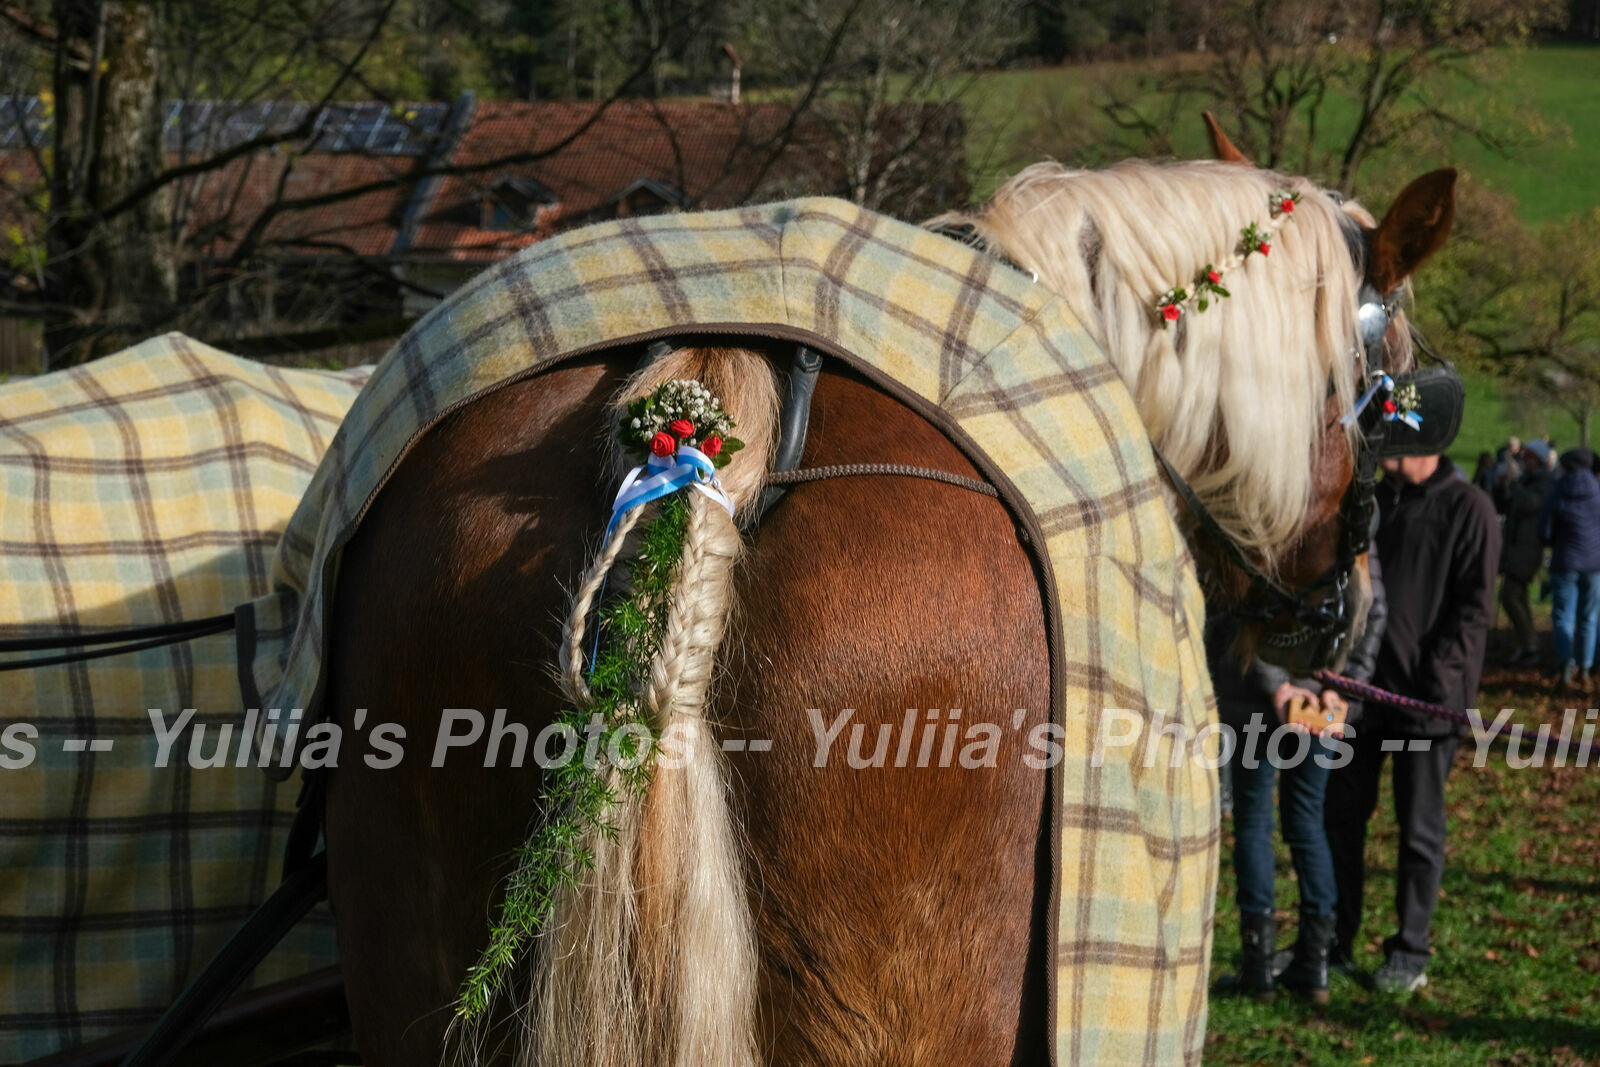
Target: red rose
(1171,312)
(682,427)
(1213,277)
(1264,248)
(1390,407)
(1287,205)
(662,444)
(711,445)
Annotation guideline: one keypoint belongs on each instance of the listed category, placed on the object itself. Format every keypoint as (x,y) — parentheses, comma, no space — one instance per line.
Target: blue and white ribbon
(661,476)
(657,477)
(1384,383)
(1410,418)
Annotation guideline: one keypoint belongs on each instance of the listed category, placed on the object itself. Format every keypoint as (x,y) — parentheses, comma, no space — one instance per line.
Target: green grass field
(1547,99)
(1556,178)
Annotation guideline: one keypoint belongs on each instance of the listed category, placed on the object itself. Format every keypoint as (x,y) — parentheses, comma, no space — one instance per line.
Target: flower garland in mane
(1207,285)
(1112,243)
(682,436)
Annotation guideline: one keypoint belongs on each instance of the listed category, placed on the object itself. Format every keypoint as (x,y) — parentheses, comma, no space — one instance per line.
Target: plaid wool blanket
(1008,372)
(147,487)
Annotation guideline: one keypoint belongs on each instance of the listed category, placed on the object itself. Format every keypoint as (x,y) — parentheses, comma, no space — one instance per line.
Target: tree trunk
(653,18)
(69,278)
(118,272)
(140,246)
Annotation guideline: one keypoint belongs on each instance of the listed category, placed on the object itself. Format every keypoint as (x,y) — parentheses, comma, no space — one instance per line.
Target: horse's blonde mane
(1233,396)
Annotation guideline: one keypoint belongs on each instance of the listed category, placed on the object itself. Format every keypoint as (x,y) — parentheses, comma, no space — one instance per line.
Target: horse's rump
(1004,370)
(148,487)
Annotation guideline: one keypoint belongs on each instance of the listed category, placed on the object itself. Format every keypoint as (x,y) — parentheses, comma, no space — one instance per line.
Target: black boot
(1307,973)
(1256,934)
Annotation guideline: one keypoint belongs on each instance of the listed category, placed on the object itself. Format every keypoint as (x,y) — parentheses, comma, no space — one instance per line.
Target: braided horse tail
(650,958)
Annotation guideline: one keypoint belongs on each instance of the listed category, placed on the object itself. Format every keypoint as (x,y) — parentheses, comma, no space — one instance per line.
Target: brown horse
(899,915)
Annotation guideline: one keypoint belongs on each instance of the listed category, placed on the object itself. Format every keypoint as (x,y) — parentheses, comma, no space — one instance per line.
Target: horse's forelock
(1247,380)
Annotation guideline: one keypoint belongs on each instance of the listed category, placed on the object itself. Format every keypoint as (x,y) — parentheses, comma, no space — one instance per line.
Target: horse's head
(1326,562)
(1250,314)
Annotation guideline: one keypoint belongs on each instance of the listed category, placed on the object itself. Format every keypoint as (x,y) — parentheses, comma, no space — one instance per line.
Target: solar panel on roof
(352,133)
(23,121)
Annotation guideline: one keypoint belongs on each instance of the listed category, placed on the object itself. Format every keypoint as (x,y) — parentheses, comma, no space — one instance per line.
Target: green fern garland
(579,794)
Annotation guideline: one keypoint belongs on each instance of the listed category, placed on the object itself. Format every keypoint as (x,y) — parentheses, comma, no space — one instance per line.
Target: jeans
(1301,790)
(1574,615)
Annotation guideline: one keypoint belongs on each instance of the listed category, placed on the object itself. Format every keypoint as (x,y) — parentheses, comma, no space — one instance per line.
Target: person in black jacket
(1570,524)
(1509,463)
(1522,549)
(1439,539)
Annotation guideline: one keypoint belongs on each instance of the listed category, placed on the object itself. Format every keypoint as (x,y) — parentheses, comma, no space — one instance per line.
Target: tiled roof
(225,203)
(710,154)
(218,207)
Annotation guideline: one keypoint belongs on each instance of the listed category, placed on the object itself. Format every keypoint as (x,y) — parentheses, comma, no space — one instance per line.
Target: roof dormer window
(514,204)
(647,196)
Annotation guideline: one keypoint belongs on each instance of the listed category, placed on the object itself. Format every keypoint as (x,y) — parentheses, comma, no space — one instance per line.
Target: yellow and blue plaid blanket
(148,487)
(1004,368)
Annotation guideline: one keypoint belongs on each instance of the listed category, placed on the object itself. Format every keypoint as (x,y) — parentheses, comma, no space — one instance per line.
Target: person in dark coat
(1522,546)
(1439,539)
(1570,524)
(1483,475)
(1253,703)
(1509,464)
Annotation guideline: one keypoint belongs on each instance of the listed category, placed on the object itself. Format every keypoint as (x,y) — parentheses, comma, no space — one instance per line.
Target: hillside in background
(1548,94)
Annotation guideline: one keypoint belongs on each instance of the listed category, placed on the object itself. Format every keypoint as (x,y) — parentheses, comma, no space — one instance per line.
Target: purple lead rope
(1371,693)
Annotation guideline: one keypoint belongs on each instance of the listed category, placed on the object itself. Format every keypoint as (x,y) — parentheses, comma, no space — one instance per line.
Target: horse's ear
(1416,225)
(1221,147)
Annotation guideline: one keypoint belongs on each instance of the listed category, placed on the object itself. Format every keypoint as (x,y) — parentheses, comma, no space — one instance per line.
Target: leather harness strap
(845,470)
(134,638)
(244,949)
(793,422)
(1286,602)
